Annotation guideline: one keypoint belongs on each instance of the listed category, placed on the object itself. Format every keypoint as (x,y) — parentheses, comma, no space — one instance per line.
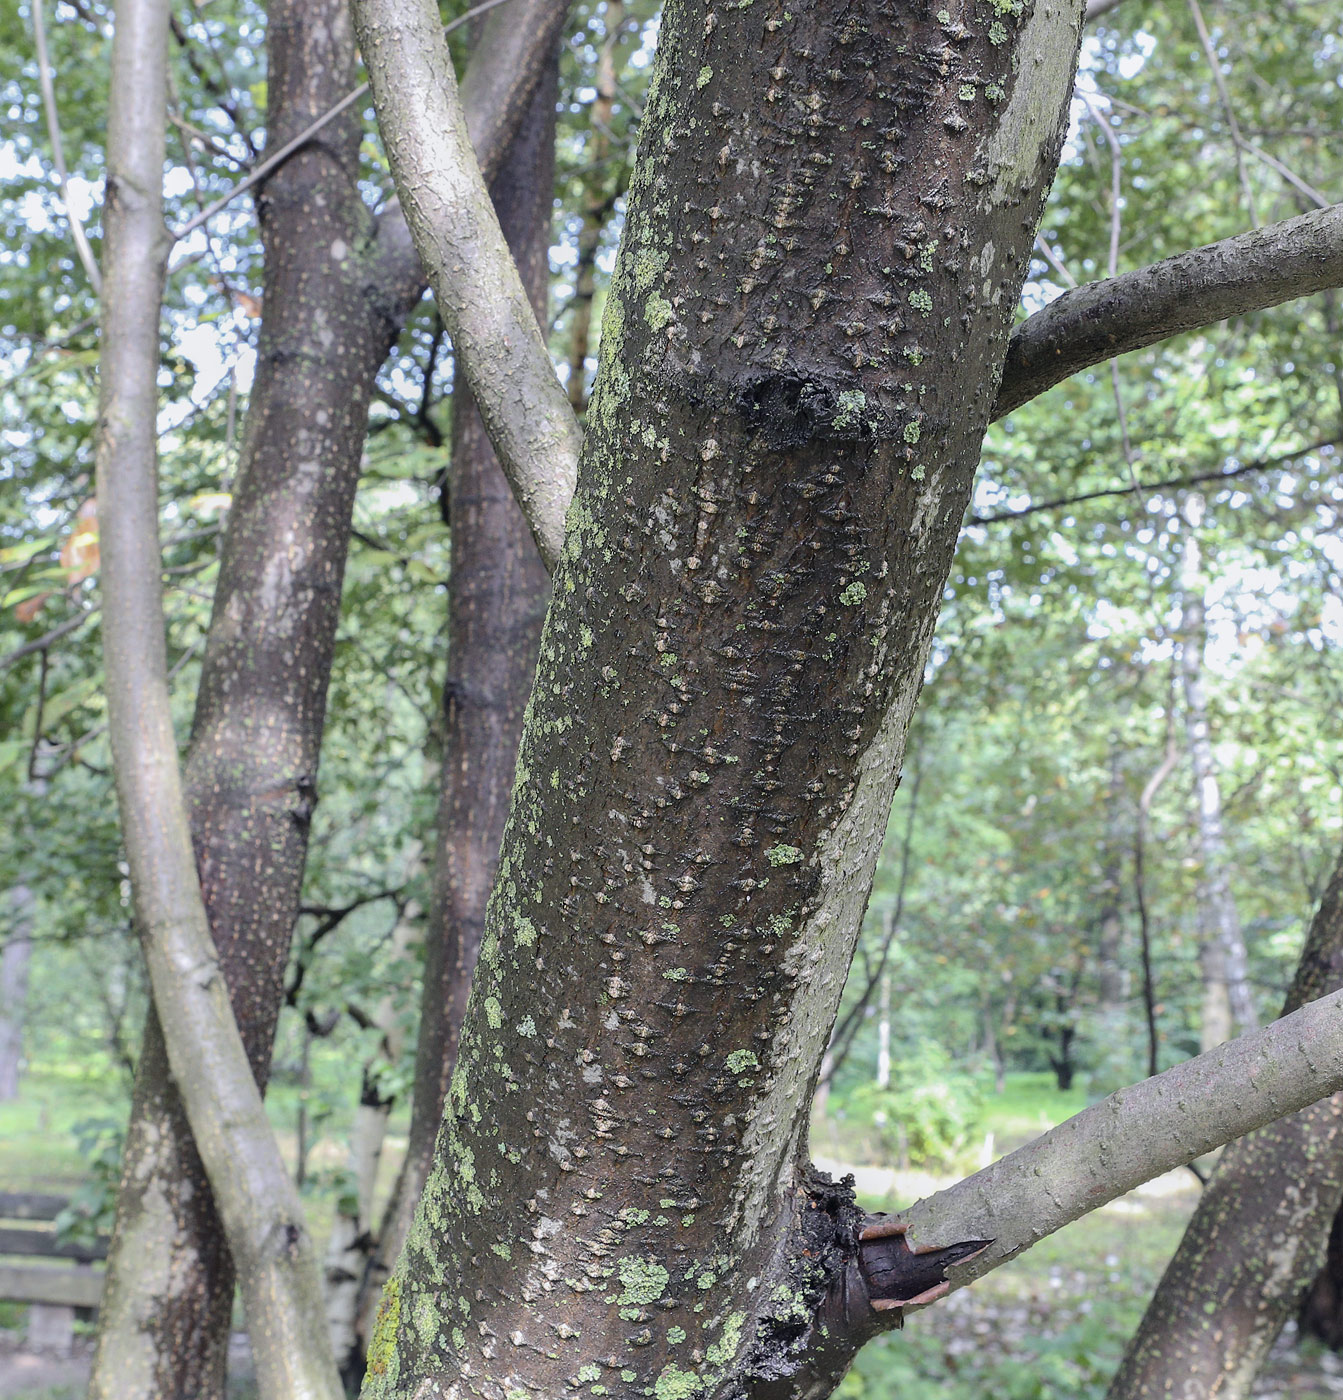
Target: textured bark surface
(829,222)
(1258,1234)
(252,763)
(498,593)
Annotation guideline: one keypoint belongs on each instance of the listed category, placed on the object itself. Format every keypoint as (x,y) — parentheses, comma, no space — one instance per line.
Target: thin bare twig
(1062,502)
(1228,111)
(58,149)
(304,136)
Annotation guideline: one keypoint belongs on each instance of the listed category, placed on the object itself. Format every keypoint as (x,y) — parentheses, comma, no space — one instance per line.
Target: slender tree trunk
(798,359)
(1258,1234)
(884,1033)
(252,763)
(351,1241)
(209,1063)
(1227,999)
(498,595)
(15,954)
(1109,943)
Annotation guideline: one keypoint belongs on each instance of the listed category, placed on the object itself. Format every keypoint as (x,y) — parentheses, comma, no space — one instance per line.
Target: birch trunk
(1228,1001)
(15,954)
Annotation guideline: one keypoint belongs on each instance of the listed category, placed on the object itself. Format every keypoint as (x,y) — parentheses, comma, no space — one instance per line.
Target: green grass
(1029,1105)
(38,1147)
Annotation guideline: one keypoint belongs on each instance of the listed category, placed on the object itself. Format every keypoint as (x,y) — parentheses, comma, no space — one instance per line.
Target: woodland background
(1040,905)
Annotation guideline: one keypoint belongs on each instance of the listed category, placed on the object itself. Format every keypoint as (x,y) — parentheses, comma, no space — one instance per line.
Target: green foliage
(92,1208)
(926,1117)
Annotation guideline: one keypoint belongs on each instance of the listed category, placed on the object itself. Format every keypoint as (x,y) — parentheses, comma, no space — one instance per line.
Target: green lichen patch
(790,855)
(642,1281)
(740,1060)
(853,594)
(675,1384)
(382,1349)
(849,412)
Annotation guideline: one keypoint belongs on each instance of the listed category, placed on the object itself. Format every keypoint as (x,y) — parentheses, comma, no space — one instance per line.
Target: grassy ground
(1049,1326)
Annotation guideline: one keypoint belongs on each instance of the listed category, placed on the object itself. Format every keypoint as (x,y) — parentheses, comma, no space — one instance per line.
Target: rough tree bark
(1227,998)
(258,1204)
(1258,1234)
(829,224)
(328,322)
(497,599)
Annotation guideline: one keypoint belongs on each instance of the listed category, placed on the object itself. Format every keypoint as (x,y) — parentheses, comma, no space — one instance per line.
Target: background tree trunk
(798,358)
(1258,1234)
(497,600)
(1227,999)
(15,954)
(252,764)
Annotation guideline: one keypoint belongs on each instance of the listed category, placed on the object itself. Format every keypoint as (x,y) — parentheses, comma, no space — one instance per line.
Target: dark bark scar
(900,1277)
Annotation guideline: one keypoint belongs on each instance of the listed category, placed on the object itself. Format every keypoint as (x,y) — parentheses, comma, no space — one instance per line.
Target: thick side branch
(466,258)
(1094,323)
(1135,1135)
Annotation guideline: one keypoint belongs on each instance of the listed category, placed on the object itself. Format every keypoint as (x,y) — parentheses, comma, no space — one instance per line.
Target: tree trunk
(499,588)
(884,1033)
(599,198)
(825,243)
(259,1208)
(15,954)
(252,763)
(1258,1234)
(1227,999)
(350,1245)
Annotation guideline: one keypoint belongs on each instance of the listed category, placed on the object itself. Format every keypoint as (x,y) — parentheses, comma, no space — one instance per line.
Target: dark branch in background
(220,91)
(1250,272)
(1097,8)
(328,921)
(1172,484)
(49,639)
(847,1030)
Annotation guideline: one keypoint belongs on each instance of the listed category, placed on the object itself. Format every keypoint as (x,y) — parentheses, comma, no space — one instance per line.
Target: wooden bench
(57,1289)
